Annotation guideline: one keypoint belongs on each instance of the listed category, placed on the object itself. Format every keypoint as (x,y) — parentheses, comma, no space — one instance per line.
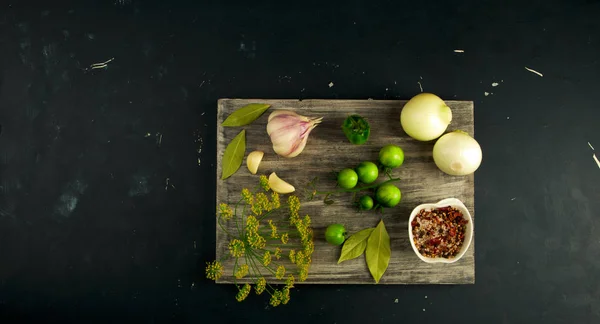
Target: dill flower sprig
(243,292)
(280,273)
(275,298)
(225,211)
(273,229)
(241,271)
(275,253)
(260,286)
(266,260)
(289,282)
(264,183)
(252,224)
(214,270)
(247,195)
(275,203)
(285,295)
(236,248)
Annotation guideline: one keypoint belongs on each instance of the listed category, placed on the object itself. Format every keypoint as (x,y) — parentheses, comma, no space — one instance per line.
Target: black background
(89,233)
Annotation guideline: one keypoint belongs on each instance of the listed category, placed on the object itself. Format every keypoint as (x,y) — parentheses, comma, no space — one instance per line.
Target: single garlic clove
(299,147)
(253,160)
(280,186)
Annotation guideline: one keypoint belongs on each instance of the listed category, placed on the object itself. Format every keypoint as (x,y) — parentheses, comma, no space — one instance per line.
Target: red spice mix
(439,232)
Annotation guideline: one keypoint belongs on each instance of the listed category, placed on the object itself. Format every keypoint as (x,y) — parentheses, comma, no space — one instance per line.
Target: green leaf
(355,245)
(378,251)
(234,154)
(327,200)
(245,115)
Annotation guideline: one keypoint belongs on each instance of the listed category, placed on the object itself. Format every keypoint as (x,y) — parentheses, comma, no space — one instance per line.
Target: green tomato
(365,202)
(356,129)
(335,234)
(388,195)
(391,156)
(367,172)
(347,179)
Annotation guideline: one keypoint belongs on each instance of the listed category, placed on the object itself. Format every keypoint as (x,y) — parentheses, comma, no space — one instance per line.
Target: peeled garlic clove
(253,160)
(280,186)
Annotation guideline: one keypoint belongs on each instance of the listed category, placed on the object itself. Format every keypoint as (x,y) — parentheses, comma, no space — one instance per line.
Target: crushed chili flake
(439,232)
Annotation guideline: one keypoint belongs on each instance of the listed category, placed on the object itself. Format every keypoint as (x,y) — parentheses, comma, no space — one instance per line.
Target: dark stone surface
(89,233)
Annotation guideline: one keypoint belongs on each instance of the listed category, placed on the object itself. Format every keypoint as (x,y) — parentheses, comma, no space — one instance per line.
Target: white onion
(457,153)
(425,117)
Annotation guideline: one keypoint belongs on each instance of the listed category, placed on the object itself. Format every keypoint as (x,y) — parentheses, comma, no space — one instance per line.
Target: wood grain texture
(328,150)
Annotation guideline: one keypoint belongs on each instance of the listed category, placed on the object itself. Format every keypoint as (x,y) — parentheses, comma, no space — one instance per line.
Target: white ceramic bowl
(452,202)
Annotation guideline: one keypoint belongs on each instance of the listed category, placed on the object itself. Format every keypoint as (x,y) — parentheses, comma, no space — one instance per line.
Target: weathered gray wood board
(328,150)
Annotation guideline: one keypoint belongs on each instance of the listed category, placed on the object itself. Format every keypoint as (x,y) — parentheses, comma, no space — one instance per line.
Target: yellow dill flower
(303,273)
(275,298)
(214,270)
(256,209)
(225,211)
(256,241)
(285,295)
(301,229)
(264,182)
(241,271)
(303,258)
(243,293)
(293,256)
(294,205)
(263,201)
(273,229)
(280,272)
(294,219)
(247,195)
(299,258)
(236,248)
(309,247)
(275,203)
(266,260)
(251,224)
(289,282)
(307,221)
(307,260)
(260,286)
(277,253)
(308,233)
(285,238)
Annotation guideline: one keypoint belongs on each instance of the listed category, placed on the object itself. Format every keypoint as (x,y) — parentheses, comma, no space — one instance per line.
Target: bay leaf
(355,245)
(233,156)
(378,251)
(245,115)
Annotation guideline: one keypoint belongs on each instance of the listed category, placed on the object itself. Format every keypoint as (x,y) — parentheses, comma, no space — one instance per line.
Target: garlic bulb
(289,131)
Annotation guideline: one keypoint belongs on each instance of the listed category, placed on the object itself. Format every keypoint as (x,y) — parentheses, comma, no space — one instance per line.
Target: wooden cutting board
(327,151)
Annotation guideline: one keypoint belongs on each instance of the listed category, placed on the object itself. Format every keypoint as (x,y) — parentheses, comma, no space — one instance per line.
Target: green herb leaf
(245,115)
(327,200)
(378,251)
(355,245)
(234,154)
